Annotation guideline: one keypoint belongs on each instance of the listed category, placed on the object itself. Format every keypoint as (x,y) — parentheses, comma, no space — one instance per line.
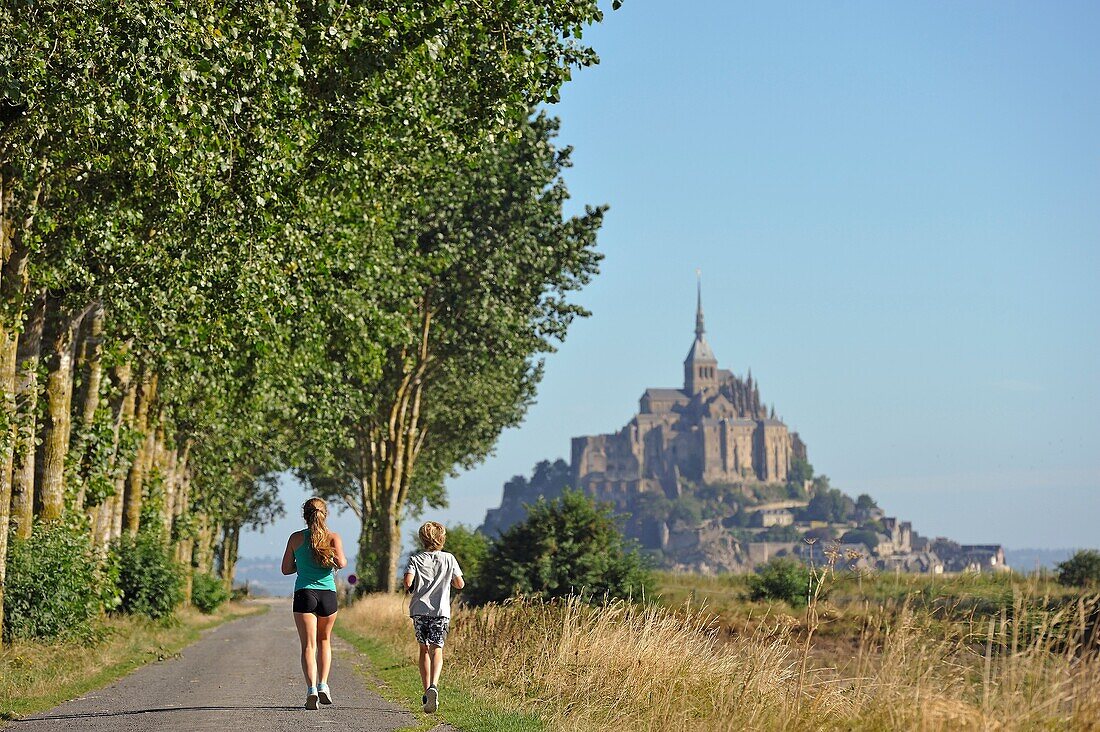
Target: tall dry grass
(637,667)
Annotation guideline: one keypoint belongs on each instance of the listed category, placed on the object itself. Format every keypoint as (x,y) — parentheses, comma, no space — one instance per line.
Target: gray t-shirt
(431,587)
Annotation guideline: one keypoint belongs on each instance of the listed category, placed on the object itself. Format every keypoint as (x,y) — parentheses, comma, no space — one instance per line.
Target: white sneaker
(323,694)
(431,700)
(311,698)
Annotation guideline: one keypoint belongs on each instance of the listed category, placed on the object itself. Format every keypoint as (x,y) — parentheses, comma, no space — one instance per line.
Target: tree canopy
(240,238)
(1081,570)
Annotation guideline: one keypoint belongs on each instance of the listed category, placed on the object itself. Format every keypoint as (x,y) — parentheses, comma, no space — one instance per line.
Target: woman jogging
(314,553)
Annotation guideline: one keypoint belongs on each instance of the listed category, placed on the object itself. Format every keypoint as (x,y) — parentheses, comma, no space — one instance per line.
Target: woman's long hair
(315,511)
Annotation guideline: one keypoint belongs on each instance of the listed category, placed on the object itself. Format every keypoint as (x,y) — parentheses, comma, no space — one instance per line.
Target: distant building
(772,517)
(899,535)
(714,429)
(969,557)
(713,443)
(980,558)
(921,562)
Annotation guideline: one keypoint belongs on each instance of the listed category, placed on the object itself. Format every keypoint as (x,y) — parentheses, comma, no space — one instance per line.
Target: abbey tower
(712,430)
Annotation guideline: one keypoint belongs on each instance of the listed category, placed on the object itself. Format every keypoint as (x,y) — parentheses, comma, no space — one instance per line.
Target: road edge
(105,676)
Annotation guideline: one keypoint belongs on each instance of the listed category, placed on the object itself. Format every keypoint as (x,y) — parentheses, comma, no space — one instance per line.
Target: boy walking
(429,577)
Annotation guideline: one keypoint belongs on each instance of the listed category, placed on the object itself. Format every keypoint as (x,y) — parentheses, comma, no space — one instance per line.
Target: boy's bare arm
(457,582)
(408,581)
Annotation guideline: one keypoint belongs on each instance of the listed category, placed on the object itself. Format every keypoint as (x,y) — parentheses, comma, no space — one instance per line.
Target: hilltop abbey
(713,430)
(703,477)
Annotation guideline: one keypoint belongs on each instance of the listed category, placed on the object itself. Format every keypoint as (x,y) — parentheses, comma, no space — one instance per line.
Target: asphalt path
(241,675)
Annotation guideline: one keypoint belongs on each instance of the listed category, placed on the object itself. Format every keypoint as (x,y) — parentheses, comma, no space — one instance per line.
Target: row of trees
(239,238)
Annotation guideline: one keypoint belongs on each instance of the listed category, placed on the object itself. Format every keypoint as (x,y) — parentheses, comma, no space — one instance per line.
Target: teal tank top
(311,576)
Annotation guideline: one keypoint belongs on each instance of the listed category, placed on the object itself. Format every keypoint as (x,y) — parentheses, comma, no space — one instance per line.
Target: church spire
(699,330)
(700,366)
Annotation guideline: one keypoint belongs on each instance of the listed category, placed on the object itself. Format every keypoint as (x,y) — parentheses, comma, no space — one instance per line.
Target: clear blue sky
(896,210)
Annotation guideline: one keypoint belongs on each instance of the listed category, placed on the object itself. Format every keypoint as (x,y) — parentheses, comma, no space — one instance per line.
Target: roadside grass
(36,675)
(1031,665)
(378,626)
(854,599)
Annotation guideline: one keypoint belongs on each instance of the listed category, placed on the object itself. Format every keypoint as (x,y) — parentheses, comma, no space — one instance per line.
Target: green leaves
(1081,570)
(267,200)
(569,546)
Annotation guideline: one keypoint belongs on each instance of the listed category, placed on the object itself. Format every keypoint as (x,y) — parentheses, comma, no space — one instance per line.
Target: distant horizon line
(276,558)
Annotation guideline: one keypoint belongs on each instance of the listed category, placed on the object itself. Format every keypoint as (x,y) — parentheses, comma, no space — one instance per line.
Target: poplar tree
(492,262)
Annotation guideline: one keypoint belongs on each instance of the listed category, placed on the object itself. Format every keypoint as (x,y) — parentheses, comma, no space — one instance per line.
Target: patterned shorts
(430,630)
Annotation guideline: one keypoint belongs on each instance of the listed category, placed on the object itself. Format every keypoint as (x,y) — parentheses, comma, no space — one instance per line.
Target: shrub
(568,546)
(208,592)
(470,549)
(1080,570)
(865,503)
(800,471)
(53,590)
(822,533)
(150,581)
(829,504)
(782,578)
(688,510)
(866,537)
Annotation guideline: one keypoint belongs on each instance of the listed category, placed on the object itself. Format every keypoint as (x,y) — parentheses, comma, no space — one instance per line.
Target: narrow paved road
(243,675)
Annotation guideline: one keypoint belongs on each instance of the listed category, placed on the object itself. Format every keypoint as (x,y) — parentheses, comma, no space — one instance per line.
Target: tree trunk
(14,257)
(61,325)
(182,508)
(168,464)
(104,521)
(204,546)
(395,443)
(132,497)
(186,554)
(367,559)
(185,543)
(30,348)
(234,552)
(92,365)
(216,548)
(122,409)
(8,345)
(227,557)
(387,550)
(197,554)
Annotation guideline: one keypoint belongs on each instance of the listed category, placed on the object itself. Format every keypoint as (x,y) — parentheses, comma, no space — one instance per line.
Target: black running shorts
(321,603)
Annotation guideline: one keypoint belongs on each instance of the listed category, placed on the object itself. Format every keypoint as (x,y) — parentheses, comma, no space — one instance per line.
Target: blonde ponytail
(315,511)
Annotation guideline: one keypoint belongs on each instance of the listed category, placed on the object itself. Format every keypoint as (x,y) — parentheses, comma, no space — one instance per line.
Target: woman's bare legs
(324,646)
(306,623)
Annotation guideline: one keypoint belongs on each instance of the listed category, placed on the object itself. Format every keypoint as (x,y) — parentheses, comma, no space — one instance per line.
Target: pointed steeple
(700,366)
(699,329)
